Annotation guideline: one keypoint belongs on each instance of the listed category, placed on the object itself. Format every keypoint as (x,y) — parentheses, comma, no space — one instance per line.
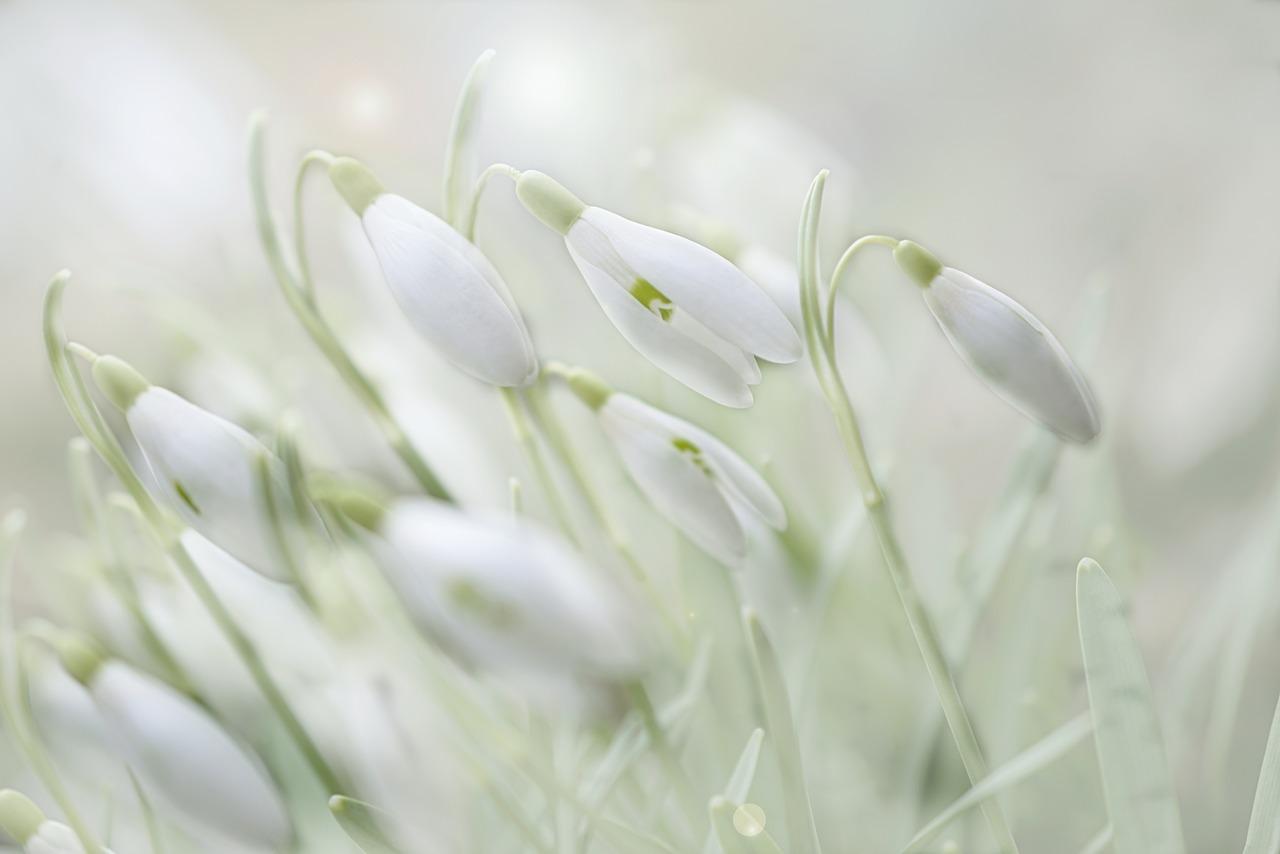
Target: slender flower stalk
(304,305)
(922,629)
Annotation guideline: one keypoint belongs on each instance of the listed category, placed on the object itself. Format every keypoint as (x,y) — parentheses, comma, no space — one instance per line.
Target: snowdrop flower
(503,595)
(1016,355)
(24,821)
(446,286)
(204,465)
(178,750)
(692,478)
(685,308)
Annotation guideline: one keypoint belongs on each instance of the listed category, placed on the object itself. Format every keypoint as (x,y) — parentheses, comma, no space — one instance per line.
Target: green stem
(456,160)
(301,300)
(821,351)
(473,205)
(837,277)
(523,431)
(662,747)
(267,490)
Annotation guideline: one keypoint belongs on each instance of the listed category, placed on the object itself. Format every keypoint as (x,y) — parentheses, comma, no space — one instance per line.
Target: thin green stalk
(267,489)
(665,751)
(473,206)
(301,300)
(821,350)
(457,156)
(523,432)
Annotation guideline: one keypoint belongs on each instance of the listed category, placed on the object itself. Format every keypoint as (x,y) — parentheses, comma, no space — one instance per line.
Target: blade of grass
(1044,752)
(1135,777)
(739,785)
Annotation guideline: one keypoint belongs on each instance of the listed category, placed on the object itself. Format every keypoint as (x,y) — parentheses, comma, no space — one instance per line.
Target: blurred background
(1093,159)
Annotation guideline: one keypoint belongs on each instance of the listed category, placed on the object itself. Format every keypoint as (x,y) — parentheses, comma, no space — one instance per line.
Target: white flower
(692,478)
(446,286)
(180,753)
(24,821)
(502,594)
(685,308)
(204,465)
(1017,356)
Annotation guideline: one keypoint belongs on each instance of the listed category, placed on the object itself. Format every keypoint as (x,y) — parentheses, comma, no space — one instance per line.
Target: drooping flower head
(178,750)
(502,594)
(28,826)
(685,308)
(1009,348)
(692,478)
(205,466)
(447,288)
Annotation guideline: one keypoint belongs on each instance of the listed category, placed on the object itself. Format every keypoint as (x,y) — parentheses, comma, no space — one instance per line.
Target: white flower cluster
(273,588)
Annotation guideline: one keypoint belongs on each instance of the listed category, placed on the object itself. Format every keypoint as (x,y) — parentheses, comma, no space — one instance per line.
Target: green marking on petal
(186,497)
(694,453)
(652,299)
(476,603)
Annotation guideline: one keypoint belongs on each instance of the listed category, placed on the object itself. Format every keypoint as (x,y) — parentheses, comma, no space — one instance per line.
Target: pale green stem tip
(548,200)
(359,506)
(355,182)
(81,656)
(119,381)
(19,816)
(917,262)
(590,388)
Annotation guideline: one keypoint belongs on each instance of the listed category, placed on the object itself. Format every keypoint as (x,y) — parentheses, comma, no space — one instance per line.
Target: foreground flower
(180,753)
(205,465)
(27,825)
(503,595)
(446,286)
(685,308)
(1017,356)
(692,478)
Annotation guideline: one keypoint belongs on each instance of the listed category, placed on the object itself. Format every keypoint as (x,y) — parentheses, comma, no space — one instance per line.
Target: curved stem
(323,158)
(520,426)
(473,205)
(837,278)
(456,156)
(305,308)
(922,629)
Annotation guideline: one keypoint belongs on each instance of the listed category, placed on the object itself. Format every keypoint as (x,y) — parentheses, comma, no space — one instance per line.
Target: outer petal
(54,837)
(205,466)
(690,362)
(450,292)
(503,595)
(188,759)
(704,284)
(1014,352)
(670,479)
(733,472)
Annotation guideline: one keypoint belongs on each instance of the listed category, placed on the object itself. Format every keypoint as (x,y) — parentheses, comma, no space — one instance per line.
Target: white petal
(733,473)
(776,275)
(704,284)
(504,595)
(671,480)
(187,759)
(206,468)
(450,292)
(689,361)
(1014,352)
(53,837)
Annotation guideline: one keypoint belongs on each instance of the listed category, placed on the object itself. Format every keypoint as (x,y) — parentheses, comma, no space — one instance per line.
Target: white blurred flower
(692,478)
(24,821)
(203,464)
(1013,351)
(685,308)
(446,286)
(180,753)
(503,594)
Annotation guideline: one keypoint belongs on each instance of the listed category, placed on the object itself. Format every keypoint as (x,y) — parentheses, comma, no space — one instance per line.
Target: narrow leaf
(738,787)
(1037,756)
(1135,775)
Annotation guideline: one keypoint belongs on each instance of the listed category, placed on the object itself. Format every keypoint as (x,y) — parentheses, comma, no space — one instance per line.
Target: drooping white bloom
(180,753)
(685,308)
(446,286)
(203,464)
(692,478)
(1009,348)
(29,827)
(503,594)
